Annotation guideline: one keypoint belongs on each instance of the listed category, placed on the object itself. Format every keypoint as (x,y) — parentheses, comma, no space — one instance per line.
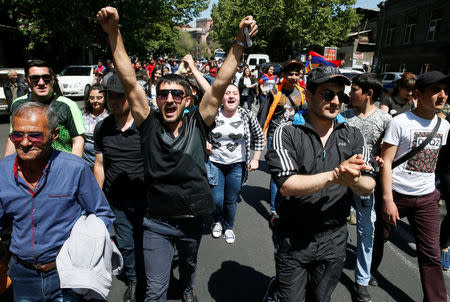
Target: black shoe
(274,220)
(271,292)
(362,294)
(189,297)
(373,280)
(130,293)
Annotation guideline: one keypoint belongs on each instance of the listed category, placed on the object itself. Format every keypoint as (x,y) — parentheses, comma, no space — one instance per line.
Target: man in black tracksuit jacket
(315,161)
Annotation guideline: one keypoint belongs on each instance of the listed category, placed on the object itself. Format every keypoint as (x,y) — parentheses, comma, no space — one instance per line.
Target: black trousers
(315,263)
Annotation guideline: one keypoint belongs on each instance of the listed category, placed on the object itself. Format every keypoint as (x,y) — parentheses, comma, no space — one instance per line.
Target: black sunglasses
(177,95)
(330,95)
(35,78)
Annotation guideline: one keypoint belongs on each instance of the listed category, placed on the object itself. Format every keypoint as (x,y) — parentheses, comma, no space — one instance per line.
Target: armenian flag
(317,59)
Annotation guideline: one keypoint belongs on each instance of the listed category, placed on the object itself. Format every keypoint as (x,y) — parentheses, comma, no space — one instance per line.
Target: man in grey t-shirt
(372,122)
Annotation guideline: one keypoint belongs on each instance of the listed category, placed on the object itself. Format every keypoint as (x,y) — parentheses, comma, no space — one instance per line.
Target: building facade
(413,36)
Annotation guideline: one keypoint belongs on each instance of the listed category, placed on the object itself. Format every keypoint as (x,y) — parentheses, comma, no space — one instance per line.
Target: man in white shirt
(409,189)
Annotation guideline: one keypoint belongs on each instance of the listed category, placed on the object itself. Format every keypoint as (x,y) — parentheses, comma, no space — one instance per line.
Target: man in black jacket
(174,151)
(315,161)
(14,88)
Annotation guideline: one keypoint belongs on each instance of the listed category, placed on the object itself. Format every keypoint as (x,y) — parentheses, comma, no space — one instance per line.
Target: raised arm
(109,19)
(212,98)
(204,84)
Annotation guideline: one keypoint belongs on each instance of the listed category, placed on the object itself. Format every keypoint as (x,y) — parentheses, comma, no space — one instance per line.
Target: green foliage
(148,26)
(286,27)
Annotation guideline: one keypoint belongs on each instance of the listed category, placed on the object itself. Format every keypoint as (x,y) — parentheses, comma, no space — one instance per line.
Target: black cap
(292,65)
(324,74)
(240,65)
(431,77)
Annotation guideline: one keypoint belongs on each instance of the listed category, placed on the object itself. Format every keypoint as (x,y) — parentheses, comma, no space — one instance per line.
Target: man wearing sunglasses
(174,150)
(40,79)
(315,162)
(44,192)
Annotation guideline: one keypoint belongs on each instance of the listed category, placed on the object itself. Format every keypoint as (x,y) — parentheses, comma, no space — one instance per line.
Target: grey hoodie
(88,258)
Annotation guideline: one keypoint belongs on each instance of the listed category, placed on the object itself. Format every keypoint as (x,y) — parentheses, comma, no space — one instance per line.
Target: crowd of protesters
(162,145)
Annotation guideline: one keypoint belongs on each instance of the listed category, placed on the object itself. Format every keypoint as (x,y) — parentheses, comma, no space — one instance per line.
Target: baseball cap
(292,65)
(432,77)
(323,74)
(114,84)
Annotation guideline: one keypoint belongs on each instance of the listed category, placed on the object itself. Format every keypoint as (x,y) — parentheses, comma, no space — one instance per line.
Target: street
(241,271)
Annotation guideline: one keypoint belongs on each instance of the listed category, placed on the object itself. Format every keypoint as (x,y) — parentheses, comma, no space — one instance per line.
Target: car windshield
(76,71)
(350,75)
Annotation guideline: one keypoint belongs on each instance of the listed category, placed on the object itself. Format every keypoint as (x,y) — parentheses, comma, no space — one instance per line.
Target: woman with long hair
(156,74)
(95,110)
(237,131)
(247,88)
(401,98)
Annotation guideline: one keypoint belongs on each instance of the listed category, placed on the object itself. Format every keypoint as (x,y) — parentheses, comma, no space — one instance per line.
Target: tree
(286,27)
(147,26)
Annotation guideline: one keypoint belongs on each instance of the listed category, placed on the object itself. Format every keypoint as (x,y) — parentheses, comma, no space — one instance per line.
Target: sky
(370,4)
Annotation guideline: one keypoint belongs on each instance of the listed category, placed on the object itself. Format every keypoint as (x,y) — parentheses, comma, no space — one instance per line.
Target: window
(435,22)
(390,33)
(410,31)
(425,68)
(252,62)
(389,77)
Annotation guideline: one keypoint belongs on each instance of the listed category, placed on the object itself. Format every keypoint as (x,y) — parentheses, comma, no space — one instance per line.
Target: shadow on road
(254,196)
(237,283)
(350,261)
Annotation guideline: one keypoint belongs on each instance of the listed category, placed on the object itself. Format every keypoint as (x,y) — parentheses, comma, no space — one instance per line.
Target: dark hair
(175,79)
(87,105)
(194,84)
(407,81)
(155,69)
(267,68)
(37,63)
(368,81)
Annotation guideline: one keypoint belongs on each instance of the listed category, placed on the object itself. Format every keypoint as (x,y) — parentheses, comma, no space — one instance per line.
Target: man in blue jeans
(44,192)
(174,150)
(372,122)
(119,170)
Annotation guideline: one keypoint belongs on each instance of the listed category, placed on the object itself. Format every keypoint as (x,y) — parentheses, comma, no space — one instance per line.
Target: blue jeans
(160,237)
(226,193)
(30,285)
(128,230)
(365,226)
(273,186)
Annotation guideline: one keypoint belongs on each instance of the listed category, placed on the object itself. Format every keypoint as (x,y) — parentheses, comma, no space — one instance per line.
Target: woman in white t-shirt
(236,132)
(247,89)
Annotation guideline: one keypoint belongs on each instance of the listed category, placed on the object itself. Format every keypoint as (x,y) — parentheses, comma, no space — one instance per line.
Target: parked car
(5,81)
(256,59)
(349,73)
(389,78)
(76,80)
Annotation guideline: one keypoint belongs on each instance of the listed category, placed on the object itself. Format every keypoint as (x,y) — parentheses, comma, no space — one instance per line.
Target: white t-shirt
(237,77)
(228,142)
(415,176)
(246,82)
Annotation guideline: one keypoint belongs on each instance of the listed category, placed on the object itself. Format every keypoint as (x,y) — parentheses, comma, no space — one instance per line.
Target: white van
(256,59)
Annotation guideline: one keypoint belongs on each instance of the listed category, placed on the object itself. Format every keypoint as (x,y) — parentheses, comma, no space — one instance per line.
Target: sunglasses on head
(35,78)
(36,138)
(330,95)
(177,95)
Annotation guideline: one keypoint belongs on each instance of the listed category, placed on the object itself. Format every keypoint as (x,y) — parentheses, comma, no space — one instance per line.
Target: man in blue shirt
(43,192)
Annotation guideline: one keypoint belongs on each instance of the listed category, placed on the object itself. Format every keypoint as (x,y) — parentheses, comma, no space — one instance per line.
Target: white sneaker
(217,229)
(229,236)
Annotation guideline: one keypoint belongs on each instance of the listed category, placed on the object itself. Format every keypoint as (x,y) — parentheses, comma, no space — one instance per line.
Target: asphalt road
(241,271)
